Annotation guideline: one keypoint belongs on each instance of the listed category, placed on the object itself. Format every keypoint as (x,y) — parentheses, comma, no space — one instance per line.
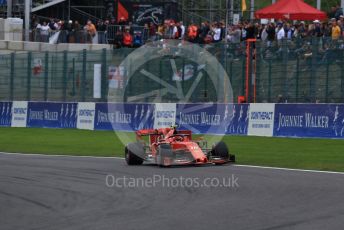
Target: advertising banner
(125,117)
(97,81)
(164,115)
(203,118)
(281,120)
(5,114)
(86,114)
(309,120)
(261,120)
(236,118)
(144,12)
(213,118)
(19,114)
(52,115)
(116,76)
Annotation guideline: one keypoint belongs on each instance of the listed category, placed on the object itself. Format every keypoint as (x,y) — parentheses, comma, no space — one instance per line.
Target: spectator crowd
(127,34)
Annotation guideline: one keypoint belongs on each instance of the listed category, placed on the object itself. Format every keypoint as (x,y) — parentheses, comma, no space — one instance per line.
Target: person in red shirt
(127,39)
(192,32)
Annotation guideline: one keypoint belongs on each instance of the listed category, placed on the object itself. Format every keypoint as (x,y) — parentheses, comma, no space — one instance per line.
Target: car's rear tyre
(231,158)
(220,149)
(166,153)
(132,151)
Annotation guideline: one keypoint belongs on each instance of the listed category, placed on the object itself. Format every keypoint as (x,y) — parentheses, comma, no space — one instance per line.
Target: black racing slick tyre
(132,153)
(232,158)
(220,149)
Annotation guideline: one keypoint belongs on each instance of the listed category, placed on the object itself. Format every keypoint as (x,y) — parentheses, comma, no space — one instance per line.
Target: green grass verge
(320,154)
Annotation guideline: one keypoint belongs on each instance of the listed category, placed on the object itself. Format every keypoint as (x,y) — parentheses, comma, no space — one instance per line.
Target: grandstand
(81,10)
(187,10)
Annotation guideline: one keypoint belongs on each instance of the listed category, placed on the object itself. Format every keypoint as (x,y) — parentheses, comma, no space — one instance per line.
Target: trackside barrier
(279,120)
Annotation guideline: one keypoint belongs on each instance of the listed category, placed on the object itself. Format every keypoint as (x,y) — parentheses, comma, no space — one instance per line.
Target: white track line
(55,155)
(121,158)
(287,169)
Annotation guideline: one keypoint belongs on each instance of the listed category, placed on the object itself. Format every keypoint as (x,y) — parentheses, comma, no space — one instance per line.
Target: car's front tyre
(130,157)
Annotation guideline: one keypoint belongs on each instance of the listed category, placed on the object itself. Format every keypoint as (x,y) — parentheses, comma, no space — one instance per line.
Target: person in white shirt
(39,26)
(44,32)
(175,34)
(217,33)
(264,35)
(183,30)
(235,35)
(280,34)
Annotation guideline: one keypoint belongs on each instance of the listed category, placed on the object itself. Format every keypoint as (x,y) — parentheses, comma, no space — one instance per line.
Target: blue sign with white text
(52,115)
(286,120)
(309,120)
(213,118)
(125,117)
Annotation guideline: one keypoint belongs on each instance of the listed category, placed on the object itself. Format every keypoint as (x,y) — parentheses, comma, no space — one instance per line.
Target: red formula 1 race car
(169,146)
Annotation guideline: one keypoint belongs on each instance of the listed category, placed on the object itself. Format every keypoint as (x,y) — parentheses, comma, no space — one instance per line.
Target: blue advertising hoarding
(288,120)
(52,115)
(5,114)
(238,119)
(309,120)
(125,117)
(213,118)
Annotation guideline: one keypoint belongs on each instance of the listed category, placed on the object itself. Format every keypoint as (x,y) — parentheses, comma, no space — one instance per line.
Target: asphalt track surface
(47,192)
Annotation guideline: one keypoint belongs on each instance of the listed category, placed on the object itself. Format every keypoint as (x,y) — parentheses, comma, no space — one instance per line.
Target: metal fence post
(270,81)
(243,76)
(183,74)
(297,79)
(130,81)
(160,76)
(54,60)
(64,77)
(83,76)
(327,79)
(257,75)
(342,76)
(29,75)
(220,81)
(73,78)
(250,78)
(12,77)
(285,67)
(104,85)
(231,72)
(46,75)
(146,84)
(312,81)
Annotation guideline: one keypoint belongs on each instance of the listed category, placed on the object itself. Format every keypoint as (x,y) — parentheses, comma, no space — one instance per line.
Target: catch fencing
(293,71)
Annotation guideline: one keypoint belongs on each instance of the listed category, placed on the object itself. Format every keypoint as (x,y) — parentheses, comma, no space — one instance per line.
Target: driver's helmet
(174,127)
